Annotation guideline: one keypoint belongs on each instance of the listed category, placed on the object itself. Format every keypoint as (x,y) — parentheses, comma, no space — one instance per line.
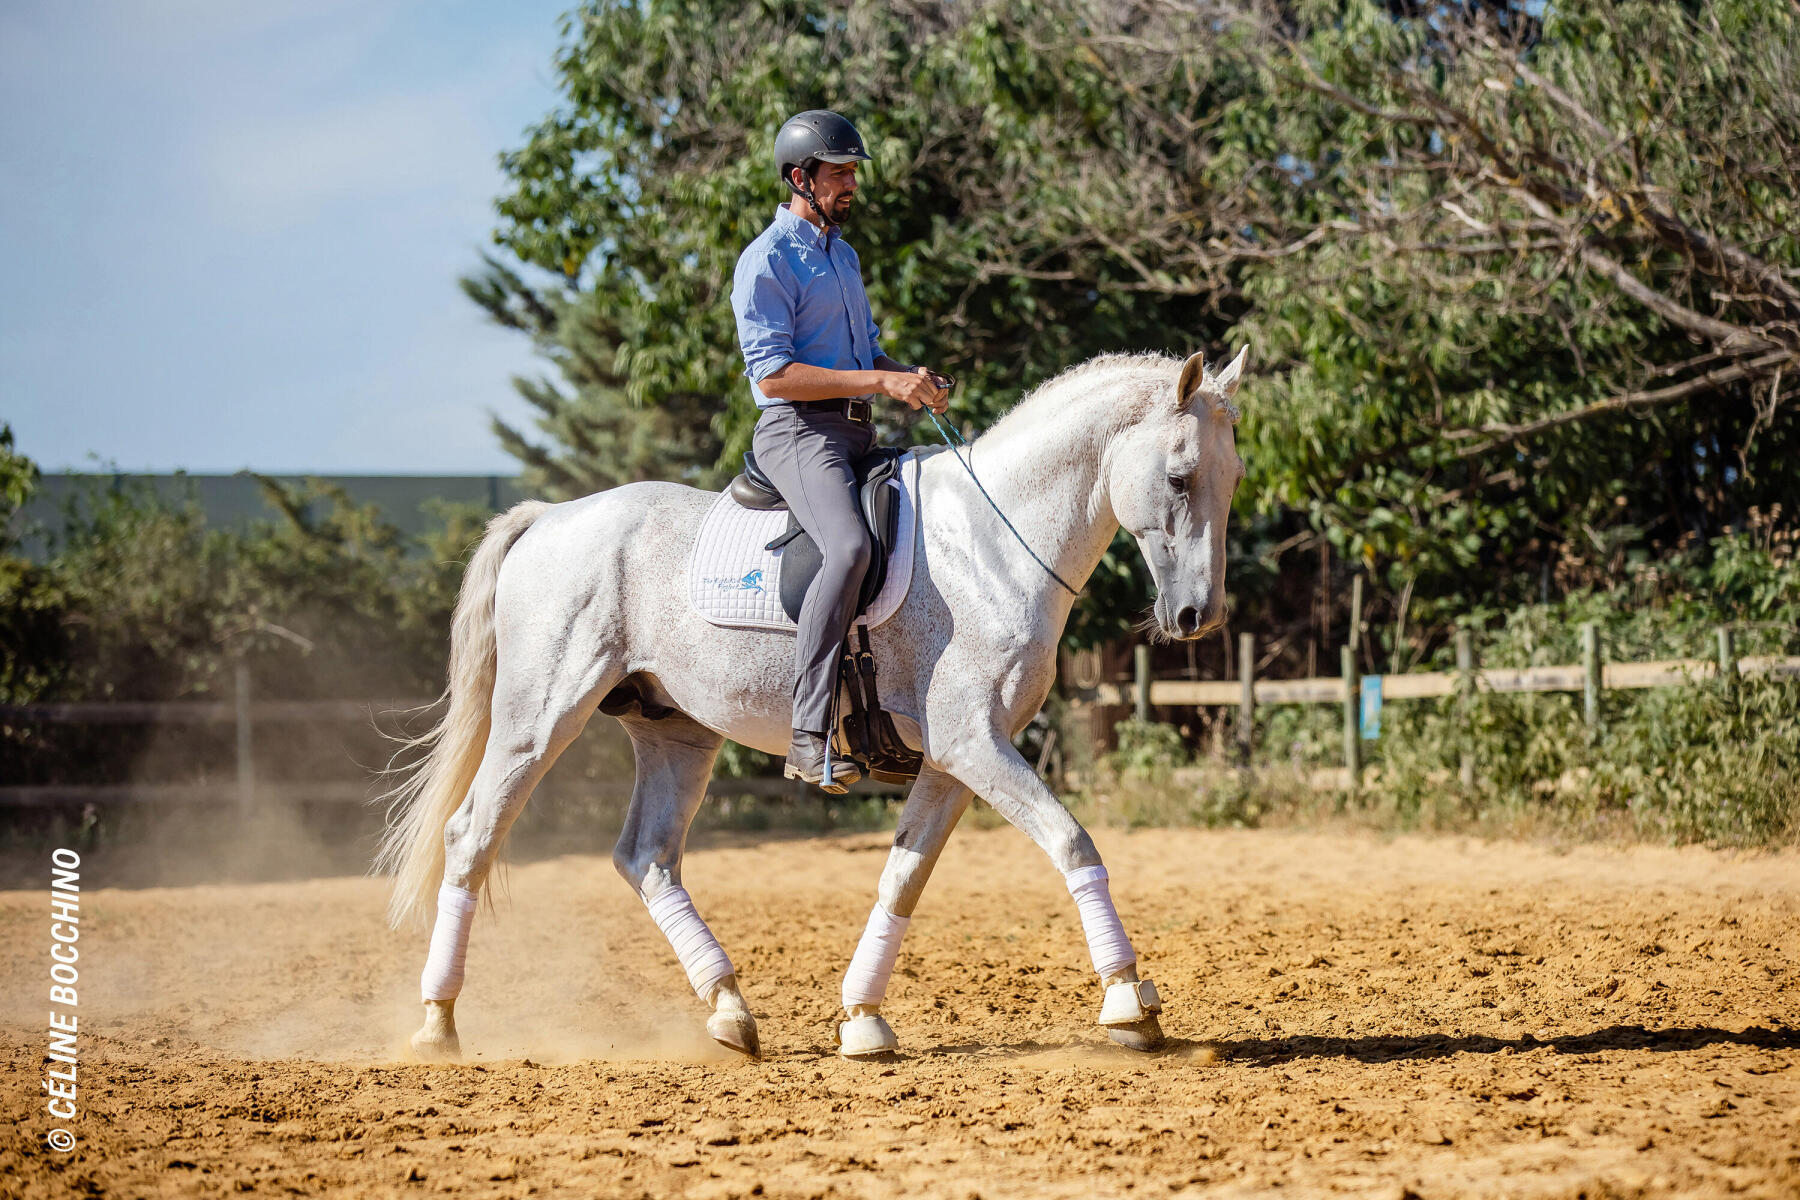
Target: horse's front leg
(994,769)
(932,810)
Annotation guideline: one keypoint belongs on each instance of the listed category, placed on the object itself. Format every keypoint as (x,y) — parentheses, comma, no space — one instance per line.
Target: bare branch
(1728,336)
(1567,101)
(1629,401)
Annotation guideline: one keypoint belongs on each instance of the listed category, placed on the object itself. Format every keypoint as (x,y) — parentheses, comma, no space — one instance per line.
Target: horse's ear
(1193,374)
(1231,376)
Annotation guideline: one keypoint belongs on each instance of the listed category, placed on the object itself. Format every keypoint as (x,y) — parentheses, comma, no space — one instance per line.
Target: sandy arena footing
(1347,1016)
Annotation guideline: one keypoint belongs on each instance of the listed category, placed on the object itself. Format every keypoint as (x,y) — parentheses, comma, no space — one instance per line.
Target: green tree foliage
(18,480)
(150,603)
(1520,279)
(30,602)
(595,433)
(141,599)
(1718,760)
(1549,307)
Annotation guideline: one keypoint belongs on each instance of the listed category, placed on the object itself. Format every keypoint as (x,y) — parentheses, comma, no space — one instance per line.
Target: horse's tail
(412,847)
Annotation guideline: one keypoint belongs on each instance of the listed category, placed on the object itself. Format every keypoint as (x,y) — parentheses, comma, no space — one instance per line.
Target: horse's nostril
(1188,621)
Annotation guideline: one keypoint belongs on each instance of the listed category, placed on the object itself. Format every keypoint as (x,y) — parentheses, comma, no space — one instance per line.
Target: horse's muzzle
(1192,623)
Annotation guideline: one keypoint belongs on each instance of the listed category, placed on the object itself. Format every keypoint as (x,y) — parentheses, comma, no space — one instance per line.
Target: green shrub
(1147,750)
(1714,761)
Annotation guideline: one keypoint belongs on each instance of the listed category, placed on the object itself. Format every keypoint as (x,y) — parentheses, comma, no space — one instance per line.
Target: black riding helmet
(817,135)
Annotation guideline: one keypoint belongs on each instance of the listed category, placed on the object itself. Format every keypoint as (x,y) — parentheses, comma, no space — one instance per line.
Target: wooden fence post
(1727,659)
(1356,601)
(1465,689)
(1590,674)
(1352,722)
(1246,695)
(246,769)
(1140,689)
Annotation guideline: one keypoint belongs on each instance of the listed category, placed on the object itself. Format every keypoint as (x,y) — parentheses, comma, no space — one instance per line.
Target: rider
(811,351)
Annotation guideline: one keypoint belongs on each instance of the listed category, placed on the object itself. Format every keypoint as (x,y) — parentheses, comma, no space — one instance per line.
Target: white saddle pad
(733,580)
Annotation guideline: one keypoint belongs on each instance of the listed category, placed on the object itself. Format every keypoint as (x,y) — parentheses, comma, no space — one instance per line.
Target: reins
(953,440)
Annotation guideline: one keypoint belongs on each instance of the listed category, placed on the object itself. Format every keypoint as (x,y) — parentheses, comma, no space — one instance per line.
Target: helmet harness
(805,190)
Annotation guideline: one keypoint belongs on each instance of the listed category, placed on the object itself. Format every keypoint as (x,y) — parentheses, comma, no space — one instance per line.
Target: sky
(231,230)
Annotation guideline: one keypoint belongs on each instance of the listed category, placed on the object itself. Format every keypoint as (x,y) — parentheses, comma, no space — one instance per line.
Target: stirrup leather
(869,728)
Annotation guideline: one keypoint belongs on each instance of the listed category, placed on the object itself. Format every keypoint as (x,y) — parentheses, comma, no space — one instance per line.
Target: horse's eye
(1178,482)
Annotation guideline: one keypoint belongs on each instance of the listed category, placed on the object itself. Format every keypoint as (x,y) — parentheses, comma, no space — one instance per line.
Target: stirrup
(834,773)
(843,774)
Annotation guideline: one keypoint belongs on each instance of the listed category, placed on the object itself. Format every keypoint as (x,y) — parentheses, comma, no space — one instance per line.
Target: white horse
(565,605)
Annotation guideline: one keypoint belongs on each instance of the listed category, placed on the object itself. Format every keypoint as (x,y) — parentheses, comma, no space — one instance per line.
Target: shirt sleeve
(874,330)
(875,350)
(764,307)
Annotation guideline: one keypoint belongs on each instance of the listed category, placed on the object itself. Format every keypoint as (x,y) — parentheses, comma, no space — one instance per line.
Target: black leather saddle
(868,727)
(800,557)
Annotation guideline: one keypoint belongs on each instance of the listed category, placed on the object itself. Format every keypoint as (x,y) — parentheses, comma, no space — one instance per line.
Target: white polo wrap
(1107,943)
(701,956)
(443,974)
(872,965)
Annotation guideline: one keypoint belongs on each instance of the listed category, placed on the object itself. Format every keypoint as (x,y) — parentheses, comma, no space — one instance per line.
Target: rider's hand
(916,389)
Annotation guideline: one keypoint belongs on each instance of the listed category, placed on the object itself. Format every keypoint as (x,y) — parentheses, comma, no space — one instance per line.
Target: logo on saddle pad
(751,582)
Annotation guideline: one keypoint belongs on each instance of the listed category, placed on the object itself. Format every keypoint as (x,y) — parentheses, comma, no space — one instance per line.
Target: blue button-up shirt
(798,295)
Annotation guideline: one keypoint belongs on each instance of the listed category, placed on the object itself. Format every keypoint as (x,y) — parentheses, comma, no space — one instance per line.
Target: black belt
(853,407)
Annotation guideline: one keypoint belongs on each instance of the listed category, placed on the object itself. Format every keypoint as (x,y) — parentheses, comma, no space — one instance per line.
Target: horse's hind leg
(535,717)
(675,757)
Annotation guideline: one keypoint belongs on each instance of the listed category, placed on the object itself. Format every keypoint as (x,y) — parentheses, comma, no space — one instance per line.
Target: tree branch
(1728,336)
(1497,435)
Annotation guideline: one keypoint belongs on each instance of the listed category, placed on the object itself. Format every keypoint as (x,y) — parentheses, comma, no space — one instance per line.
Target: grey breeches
(807,453)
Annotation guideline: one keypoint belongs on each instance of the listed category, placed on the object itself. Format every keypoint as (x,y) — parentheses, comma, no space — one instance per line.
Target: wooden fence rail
(204,712)
(1590,677)
(250,793)
(1355,692)
(1425,685)
(55,795)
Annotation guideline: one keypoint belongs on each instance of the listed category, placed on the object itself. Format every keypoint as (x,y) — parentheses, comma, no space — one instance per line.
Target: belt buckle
(860,410)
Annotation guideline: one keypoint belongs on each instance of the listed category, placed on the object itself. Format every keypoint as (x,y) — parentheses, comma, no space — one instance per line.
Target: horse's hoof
(867,1037)
(735,1029)
(431,1045)
(1144,1035)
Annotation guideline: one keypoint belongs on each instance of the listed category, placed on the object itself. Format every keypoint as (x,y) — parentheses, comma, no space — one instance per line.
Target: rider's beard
(840,208)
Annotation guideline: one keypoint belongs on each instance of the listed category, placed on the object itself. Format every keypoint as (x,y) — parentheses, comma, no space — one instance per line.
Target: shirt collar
(804,230)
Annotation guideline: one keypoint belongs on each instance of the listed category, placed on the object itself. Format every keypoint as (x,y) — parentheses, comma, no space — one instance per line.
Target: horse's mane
(1152,363)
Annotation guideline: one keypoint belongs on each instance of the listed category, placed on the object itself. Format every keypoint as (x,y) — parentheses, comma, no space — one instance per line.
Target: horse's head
(1171,477)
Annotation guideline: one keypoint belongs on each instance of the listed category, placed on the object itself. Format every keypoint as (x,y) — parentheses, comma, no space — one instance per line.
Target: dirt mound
(1347,1015)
